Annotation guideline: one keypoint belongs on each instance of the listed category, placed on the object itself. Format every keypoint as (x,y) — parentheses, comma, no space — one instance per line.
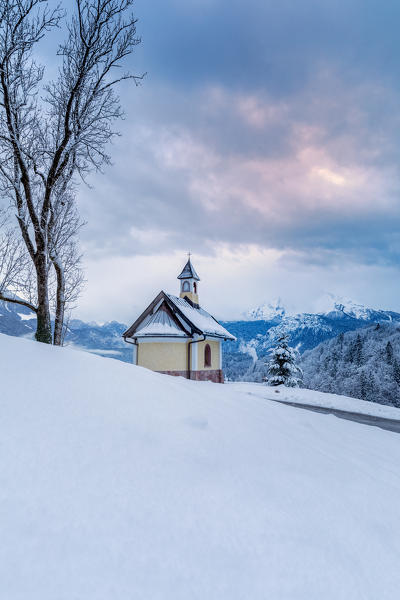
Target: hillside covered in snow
(117,482)
(362,364)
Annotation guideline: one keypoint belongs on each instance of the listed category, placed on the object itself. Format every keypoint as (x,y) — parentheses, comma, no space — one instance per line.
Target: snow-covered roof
(188,272)
(200,318)
(169,316)
(159,323)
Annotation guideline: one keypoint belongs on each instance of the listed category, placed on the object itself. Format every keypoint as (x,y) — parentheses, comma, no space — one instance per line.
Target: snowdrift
(118,483)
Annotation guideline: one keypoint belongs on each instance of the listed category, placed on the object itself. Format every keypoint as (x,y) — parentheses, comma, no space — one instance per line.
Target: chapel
(176,336)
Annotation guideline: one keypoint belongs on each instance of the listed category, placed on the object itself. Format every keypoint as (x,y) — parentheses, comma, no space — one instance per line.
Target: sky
(265,140)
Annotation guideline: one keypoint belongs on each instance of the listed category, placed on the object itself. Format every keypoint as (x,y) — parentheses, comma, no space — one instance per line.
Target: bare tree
(45,144)
(17,276)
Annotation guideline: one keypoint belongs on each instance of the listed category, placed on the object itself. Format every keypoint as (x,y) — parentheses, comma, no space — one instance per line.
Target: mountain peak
(269,311)
(349,308)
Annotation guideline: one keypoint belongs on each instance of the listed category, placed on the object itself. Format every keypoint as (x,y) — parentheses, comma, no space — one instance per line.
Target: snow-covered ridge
(353,309)
(291,326)
(344,307)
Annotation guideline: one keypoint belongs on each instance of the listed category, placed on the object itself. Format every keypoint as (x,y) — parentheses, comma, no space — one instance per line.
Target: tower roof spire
(188,271)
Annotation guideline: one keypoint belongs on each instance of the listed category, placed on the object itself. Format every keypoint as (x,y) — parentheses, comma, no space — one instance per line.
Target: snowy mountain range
(335,307)
(256,333)
(305,330)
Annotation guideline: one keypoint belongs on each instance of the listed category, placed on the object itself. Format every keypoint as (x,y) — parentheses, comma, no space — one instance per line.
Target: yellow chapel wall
(163,356)
(215,355)
(192,296)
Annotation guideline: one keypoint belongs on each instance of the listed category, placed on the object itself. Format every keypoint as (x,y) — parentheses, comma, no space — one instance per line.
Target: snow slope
(119,483)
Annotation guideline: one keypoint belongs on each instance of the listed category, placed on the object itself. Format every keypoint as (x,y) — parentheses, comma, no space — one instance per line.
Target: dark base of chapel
(215,375)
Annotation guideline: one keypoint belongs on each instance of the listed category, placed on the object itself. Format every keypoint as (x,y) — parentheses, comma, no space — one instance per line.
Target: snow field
(116,482)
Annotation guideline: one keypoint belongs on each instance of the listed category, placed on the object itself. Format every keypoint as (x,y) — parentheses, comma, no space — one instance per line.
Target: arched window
(195,287)
(207,356)
(186,286)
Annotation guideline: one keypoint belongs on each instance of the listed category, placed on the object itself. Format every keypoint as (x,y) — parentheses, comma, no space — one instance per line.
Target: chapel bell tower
(189,283)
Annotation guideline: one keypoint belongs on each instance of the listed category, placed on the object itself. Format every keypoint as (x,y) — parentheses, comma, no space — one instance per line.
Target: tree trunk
(60,305)
(43,324)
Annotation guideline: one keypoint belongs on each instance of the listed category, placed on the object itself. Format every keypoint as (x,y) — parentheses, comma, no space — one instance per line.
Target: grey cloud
(177,171)
(268,44)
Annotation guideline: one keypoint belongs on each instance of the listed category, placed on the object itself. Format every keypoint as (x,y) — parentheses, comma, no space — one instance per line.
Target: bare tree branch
(6,298)
(13,264)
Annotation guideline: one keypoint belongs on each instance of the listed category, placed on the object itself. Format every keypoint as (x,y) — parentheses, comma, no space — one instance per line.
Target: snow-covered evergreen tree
(282,366)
